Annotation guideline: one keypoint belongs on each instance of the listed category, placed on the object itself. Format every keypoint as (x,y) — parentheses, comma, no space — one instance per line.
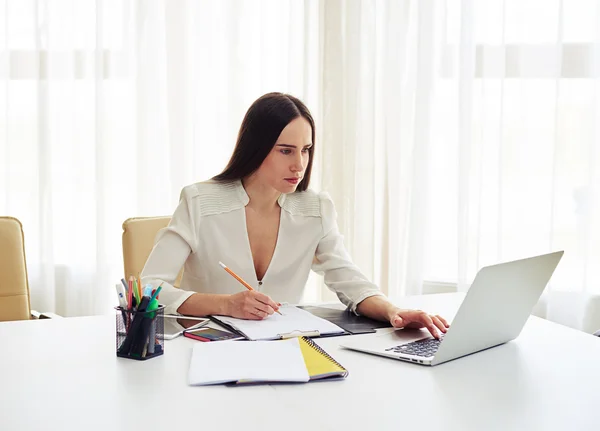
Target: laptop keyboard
(425,348)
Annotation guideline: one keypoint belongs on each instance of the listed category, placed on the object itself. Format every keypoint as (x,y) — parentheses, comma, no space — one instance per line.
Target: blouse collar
(245,198)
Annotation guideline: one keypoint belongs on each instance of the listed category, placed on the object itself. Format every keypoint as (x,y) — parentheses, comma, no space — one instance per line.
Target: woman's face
(284,167)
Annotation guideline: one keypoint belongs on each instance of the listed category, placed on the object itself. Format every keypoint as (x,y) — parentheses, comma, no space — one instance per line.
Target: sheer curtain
(380,70)
(528,144)
(467,135)
(109,107)
(451,135)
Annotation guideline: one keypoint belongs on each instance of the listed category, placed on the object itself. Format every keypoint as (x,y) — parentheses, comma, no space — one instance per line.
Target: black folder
(347,320)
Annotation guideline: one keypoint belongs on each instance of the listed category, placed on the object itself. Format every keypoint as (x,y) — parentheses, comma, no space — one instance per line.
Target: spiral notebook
(319,364)
(296,360)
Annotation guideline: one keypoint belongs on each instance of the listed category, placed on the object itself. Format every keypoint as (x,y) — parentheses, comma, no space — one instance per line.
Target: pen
(153,305)
(238,278)
(122,302)
(125,285)
(156,292)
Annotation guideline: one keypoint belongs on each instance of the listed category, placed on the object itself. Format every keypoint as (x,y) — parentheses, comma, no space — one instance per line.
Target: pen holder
(140,334)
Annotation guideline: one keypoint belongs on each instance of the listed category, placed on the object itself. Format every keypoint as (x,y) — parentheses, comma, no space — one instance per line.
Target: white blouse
(209,225)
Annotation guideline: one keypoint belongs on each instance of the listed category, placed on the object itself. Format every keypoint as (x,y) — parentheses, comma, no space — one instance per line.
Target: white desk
(64,375)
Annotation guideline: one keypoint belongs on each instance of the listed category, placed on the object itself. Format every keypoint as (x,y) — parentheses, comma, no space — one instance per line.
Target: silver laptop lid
(497,306)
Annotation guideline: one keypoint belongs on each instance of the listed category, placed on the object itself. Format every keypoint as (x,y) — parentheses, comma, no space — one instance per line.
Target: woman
(260,219)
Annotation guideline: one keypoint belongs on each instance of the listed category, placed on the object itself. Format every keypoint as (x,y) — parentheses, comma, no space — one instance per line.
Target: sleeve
(172,247)
(335,264)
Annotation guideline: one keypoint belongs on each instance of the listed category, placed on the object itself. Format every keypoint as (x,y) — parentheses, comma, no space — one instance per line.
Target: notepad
(292,322)
(260,361)
(296,360)
(319,364)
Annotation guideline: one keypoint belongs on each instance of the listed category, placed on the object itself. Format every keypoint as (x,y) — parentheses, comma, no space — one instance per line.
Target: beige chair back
(14,285)
(139,234)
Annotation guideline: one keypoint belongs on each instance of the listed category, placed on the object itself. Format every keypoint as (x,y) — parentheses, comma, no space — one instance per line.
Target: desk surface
(63,374)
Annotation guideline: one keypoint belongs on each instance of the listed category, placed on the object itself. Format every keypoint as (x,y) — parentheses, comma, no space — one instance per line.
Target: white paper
(292,320)
(262,361)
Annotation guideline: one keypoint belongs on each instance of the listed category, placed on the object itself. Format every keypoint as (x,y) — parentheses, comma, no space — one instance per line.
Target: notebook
(319,364)
(292,322)
(296,360)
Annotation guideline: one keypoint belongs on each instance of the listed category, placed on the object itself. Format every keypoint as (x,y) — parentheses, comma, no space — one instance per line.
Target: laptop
(493,312)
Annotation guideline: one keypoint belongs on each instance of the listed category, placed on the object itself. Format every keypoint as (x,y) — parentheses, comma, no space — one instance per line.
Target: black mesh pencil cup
(140,334)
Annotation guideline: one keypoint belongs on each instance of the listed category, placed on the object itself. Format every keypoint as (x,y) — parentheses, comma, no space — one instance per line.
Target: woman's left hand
(419,319)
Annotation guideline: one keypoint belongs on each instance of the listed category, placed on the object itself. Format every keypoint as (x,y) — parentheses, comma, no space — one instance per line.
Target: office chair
(14,286)
(139,234)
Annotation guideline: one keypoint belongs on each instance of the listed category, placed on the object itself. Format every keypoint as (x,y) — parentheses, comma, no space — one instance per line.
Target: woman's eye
(286,151)
(305,150)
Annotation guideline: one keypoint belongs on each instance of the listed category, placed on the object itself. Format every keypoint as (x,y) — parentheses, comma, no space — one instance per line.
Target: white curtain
(380,66)
(451,134)
(521,106)
(109,107)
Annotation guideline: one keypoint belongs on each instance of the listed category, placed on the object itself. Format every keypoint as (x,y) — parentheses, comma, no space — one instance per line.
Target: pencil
(238,278)
(131,293)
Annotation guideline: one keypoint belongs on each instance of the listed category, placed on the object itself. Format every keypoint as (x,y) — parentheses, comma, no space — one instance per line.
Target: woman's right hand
(251,305)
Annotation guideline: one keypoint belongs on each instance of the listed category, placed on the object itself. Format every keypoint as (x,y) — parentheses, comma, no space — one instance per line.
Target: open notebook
(294,360)
(292,322)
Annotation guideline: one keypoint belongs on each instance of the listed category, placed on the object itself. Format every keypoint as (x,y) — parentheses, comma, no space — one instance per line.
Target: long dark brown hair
(261,127)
